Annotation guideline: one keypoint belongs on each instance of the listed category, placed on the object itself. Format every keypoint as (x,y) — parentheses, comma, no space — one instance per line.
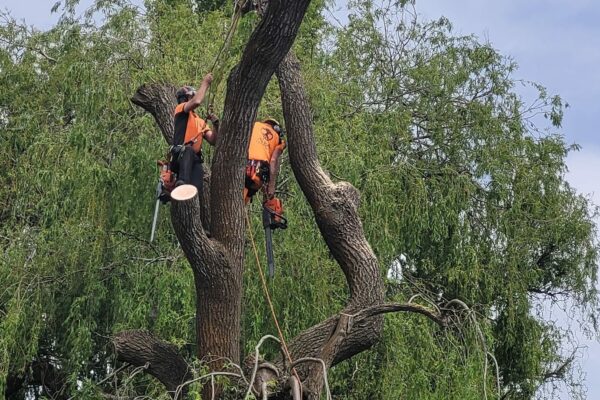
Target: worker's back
(263,142)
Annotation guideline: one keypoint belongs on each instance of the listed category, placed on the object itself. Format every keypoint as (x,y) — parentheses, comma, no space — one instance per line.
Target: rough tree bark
(335,207)
(161,359)
(218,261)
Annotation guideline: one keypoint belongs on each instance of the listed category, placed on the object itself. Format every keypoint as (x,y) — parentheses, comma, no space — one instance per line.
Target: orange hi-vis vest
(189,128)
(263,142)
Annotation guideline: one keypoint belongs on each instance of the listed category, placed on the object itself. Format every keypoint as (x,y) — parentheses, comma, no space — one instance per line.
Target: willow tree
(218,261)
(455,186)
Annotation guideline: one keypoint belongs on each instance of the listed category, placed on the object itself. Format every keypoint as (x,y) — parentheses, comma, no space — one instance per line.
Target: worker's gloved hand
(211,116)
(208,78)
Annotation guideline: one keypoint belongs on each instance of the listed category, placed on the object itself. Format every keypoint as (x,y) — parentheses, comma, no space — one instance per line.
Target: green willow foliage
(454,178)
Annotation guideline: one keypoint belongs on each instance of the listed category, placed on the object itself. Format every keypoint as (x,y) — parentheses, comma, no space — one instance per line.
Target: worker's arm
(274,170)
(211,135)
(199,96)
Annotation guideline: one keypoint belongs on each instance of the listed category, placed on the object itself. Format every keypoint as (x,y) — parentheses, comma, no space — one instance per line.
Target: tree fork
(218,262)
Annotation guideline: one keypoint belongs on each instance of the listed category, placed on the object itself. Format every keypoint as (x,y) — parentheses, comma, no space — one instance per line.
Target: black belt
(177,150)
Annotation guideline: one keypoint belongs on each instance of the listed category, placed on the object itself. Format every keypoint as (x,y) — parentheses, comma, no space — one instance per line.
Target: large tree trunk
(267,46)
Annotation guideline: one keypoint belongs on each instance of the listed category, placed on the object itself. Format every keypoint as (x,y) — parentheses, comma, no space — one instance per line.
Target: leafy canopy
(458,187)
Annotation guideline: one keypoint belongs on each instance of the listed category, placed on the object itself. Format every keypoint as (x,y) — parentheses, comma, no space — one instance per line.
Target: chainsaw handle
(269,220)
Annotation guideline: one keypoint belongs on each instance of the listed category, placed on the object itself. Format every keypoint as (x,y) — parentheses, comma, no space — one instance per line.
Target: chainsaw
(166,183)
(272,218)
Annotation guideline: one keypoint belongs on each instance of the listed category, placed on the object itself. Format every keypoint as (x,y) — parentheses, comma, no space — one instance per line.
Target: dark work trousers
(190,169)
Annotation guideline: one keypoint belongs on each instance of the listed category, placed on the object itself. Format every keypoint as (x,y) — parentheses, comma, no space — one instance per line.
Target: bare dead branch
(313,395)
(256,361)
(181,389)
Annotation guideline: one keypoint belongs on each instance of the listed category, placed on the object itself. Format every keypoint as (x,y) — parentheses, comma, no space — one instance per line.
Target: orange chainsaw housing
(276,207)
(167,177)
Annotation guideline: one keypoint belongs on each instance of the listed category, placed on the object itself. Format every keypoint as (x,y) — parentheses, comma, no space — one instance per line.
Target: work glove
(211,116)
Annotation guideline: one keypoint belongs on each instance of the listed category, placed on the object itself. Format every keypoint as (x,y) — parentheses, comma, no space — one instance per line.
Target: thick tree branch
(335,206)
(159,100)
(164,362)
(344,324)
(315,378)
(400,307)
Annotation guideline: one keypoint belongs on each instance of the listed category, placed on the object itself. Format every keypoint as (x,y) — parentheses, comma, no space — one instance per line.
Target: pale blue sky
(555,43)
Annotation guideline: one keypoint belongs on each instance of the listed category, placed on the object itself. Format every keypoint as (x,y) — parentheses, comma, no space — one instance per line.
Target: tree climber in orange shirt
(264,151)
(190,130)
(265,148)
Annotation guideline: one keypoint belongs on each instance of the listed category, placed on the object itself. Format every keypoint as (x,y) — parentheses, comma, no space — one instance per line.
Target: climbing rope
(224,47)
(227,42)
(268,297)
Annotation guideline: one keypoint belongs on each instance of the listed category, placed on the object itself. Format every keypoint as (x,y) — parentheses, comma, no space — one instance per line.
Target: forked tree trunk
(218,261)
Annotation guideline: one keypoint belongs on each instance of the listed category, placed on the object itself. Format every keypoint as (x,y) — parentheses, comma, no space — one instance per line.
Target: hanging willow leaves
(457,186)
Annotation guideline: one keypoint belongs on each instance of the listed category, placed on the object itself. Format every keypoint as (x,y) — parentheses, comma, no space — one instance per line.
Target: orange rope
(266,290)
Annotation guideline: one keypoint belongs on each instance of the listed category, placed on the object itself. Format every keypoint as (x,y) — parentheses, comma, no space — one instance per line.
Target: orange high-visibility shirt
(263,142)
(189,127)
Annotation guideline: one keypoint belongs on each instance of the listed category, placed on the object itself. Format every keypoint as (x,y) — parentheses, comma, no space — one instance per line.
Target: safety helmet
(274,123)
(271,121)
(185,93)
